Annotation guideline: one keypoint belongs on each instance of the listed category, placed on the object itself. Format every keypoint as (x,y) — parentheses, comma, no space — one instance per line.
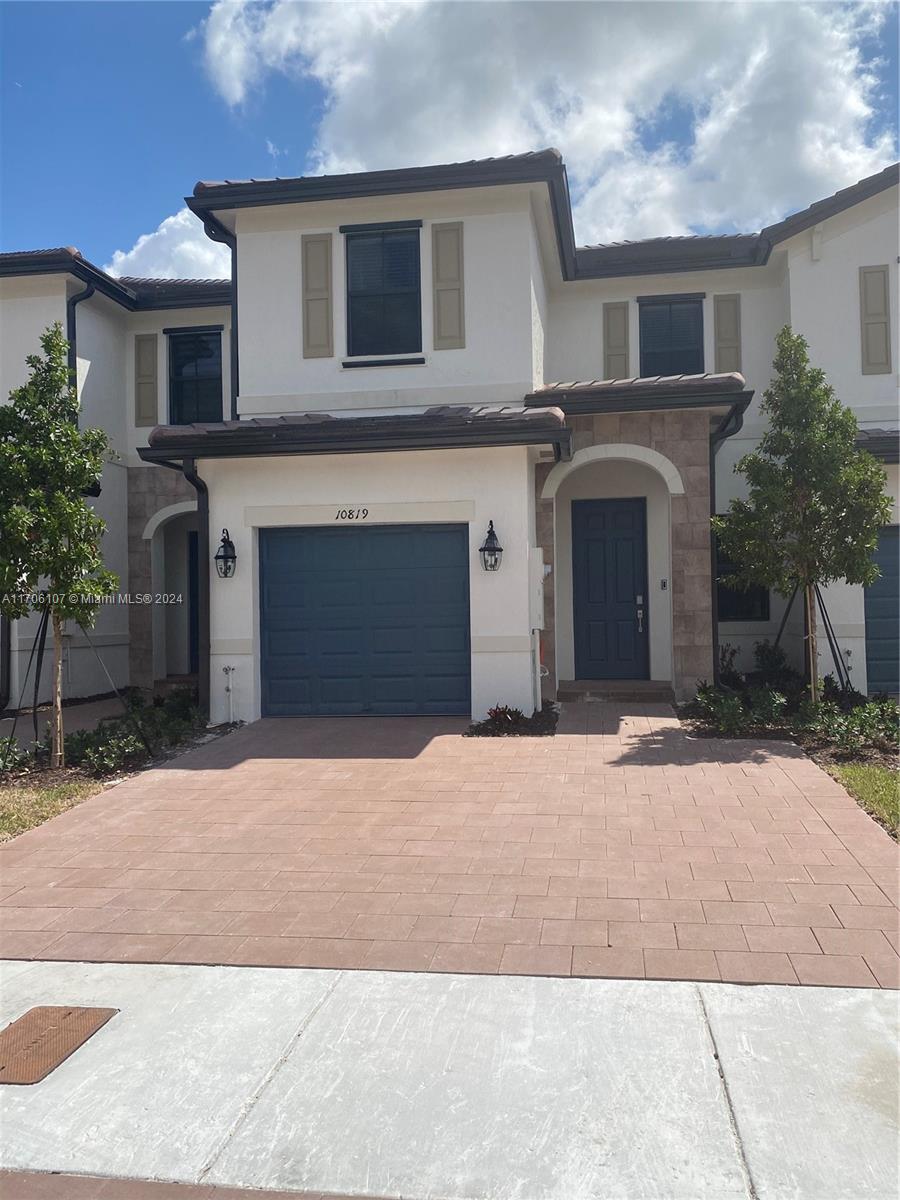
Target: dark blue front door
(365,620)
(609,564)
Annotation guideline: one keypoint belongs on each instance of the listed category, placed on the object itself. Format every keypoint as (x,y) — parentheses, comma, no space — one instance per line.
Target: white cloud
(672,118)
(177,249)
(777,98)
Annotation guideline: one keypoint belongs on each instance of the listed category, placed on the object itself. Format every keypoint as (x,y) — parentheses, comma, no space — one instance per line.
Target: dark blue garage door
(357,620)
(883,617)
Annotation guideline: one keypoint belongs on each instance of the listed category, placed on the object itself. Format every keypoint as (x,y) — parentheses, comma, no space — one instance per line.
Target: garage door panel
(393,641)
(444,639)
(882,606)
(365,620)
(441,689)
(288,690)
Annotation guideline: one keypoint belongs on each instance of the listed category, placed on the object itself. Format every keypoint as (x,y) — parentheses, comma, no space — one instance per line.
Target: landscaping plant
(815,500)
(50,537)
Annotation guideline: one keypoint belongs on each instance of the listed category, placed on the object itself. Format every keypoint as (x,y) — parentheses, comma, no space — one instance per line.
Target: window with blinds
(671,332)
(384,303)
(738,604)
(195,376)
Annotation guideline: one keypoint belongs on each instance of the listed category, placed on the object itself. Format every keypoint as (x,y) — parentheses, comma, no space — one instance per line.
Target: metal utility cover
(35,1044)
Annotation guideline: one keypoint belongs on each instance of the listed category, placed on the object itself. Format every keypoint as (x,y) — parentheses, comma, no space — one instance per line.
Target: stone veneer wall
(683,437)
(149,489)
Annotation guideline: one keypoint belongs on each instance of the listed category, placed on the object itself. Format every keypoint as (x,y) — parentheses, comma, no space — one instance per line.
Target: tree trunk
(57,752)
(812,646)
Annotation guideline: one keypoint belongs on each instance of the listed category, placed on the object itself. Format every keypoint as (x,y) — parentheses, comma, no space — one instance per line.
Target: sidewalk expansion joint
(254,1097)
(726,1091)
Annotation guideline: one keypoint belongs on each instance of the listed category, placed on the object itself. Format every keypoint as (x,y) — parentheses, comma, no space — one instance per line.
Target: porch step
(645,691)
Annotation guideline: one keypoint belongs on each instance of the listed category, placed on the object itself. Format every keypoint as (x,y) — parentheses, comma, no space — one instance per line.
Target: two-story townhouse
(422,363)
(144,350)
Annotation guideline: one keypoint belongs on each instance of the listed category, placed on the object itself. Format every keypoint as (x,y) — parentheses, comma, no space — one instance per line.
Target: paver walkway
(621,847)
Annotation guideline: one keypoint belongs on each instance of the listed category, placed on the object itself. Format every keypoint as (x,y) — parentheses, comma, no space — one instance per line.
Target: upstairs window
(384,302)
(671,335)
(195,375)
(738,604)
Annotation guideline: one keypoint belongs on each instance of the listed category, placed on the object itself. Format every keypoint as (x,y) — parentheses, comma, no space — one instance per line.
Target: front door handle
(640,619)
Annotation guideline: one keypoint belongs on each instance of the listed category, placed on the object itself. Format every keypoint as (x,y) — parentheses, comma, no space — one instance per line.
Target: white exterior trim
(166,514)
(623,450)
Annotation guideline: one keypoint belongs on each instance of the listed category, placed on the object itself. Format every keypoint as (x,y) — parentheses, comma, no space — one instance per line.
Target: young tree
(816,501)
(50,538)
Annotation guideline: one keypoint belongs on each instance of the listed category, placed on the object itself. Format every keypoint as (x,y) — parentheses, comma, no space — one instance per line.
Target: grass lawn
(877,789)
(26,803)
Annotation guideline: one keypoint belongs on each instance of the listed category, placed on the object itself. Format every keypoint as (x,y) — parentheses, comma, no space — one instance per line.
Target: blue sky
(108,119)
(672,118)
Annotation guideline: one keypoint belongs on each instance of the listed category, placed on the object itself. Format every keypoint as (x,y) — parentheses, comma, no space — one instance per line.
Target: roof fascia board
(573,404)
(79,269)
(821,211)
(238,444)
(211,200)
(758,258)
(885,448)
(108,286)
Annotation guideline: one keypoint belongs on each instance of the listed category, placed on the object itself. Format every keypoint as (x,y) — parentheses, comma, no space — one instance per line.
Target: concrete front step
(641,690)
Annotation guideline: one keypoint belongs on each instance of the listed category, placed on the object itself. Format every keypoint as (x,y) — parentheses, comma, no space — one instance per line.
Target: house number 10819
(351,514)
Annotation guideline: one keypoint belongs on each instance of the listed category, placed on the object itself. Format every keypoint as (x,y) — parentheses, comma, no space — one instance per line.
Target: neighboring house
(409,356)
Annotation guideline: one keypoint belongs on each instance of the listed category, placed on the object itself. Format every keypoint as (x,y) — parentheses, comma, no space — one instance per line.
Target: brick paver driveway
(619,847)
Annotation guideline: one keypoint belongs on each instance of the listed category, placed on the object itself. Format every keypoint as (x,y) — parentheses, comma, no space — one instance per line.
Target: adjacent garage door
(357,620)
(883,617)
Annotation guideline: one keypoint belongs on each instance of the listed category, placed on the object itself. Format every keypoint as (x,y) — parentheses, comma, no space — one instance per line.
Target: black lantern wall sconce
(226,557)
(490,550)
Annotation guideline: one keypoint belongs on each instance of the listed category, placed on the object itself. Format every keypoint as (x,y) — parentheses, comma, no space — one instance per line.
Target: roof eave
(758,257)
(108,286)
(262,443)
(885,448)
(77,267)
(546,167)
(574,402)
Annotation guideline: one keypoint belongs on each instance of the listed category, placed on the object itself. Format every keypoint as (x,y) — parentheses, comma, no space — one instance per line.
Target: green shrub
(116,744)
(115,752)
(722,710)
(871,724)
(10,754)
(181,703)
(845,697)
(770,658)
(888,719)
(767,707)
(773,671)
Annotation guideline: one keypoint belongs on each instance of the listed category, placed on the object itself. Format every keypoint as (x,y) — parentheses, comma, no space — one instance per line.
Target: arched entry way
(174,619)
(630,589)
(612,524)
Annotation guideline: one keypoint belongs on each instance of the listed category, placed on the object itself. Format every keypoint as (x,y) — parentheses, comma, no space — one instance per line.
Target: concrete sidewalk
(462,1087)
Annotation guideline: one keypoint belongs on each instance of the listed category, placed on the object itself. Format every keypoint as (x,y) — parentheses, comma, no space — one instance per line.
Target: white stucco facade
(496,365)
(468,487)
(533,316)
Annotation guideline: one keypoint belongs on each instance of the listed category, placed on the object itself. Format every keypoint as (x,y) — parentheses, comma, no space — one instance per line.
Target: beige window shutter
(318,337)
(727,321)
(615,340)
(875,320)
(146,384)
(448,286)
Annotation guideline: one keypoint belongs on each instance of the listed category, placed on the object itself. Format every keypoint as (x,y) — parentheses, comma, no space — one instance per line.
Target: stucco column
(545,523)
